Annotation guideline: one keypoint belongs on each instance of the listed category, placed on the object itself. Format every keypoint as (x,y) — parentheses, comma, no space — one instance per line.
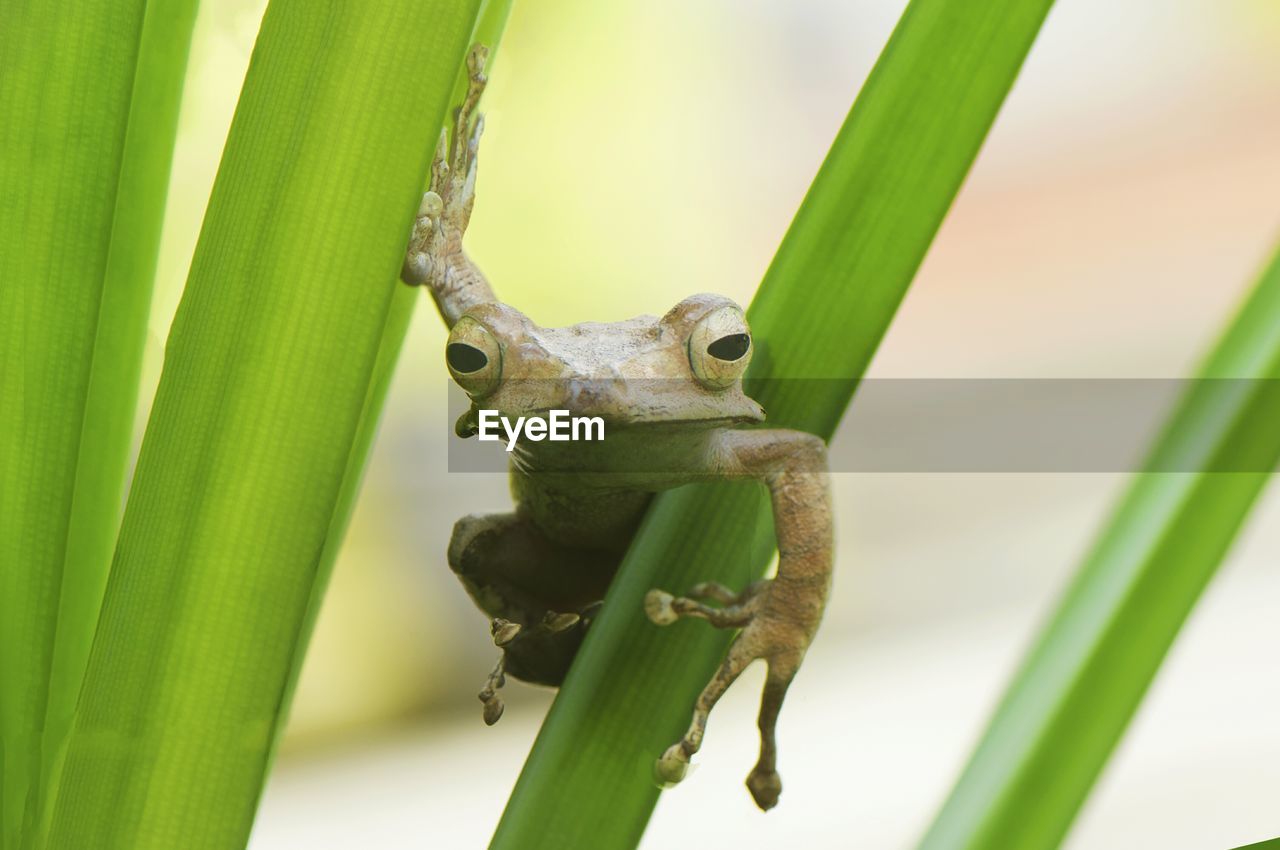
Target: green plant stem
(1086,675)
(821,311)
(268,367)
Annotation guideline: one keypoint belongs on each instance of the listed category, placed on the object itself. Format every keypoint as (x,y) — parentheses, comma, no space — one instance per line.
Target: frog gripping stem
(542,571)
(778,617)
(434,257)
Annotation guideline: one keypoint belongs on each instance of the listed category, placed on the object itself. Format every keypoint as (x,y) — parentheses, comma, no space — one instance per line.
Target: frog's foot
(445,210)
(493,705)
(526,642)
(664,609)
(503,631)
(766,634)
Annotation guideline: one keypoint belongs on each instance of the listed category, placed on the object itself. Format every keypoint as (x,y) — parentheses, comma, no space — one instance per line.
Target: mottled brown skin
(673,409)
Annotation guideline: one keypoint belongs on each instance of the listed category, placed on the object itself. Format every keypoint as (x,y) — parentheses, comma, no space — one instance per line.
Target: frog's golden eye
(474,357)
(720,348)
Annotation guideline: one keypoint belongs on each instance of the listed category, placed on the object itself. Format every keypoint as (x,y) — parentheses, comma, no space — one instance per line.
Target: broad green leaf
(268,367)
(821,311)
(88,115)
(1086,675)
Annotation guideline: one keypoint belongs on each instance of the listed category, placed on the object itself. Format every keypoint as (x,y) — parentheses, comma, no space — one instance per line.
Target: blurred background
(1124,201)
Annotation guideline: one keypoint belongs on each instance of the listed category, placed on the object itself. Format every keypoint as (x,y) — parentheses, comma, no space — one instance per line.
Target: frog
(670,392)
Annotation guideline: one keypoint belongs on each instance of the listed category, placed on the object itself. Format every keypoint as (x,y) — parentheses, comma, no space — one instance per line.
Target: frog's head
(685,368)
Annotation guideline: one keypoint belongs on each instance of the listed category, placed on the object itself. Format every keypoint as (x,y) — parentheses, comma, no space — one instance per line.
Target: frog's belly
(579,517)
(634,459)
(594,494)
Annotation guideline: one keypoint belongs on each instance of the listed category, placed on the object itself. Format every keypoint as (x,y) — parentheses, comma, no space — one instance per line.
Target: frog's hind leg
(540,653)
(504,632)
(541,595)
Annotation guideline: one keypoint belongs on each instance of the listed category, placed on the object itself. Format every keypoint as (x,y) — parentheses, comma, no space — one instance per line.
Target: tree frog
(670,392)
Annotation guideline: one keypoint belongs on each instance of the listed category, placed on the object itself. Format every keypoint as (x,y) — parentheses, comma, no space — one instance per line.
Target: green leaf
(491,22)
(821,311)
(1273,844)
(1071,701)
(90,108)
(268,367)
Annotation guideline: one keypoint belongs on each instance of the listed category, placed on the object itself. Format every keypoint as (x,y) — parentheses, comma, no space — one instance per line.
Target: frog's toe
(493,708)
(590,613)
(765,787)
(658,607)
(715,592)
(503,631)
(672,767)
(664,609)
(555,622)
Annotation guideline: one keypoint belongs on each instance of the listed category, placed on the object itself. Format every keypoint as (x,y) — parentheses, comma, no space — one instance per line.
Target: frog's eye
(720,348)
(474,358)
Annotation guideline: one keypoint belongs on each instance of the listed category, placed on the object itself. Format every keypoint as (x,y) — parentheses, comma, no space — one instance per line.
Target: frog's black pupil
(730,347)
(465,358)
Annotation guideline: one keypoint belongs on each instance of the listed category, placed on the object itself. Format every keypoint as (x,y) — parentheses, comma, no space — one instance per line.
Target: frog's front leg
(435,256)
(778,617)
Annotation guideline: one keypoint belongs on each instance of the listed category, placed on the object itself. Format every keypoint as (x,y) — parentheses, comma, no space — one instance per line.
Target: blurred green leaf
(268,367)
(821,311)
(1071,701)
(1273,844)
(89,110)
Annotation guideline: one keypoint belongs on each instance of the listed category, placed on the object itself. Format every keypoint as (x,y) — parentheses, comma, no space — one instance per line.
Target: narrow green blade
(88,115)
(1071,701)
(268,367)
(1273,844)
(821,311)
(488,31)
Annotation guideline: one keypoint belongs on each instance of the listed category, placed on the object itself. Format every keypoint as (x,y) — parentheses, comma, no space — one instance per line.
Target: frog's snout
(586,395)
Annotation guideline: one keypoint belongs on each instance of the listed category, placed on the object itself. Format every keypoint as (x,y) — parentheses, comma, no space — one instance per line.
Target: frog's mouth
(700,422)
(468,424)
